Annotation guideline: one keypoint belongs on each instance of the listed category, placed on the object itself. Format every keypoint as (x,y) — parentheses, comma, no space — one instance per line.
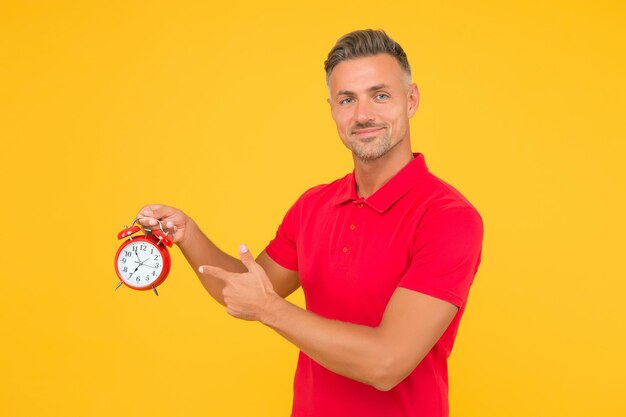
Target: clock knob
(128,231)
(159,234)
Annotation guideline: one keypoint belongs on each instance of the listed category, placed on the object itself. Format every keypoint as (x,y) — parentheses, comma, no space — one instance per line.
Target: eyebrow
(372,88)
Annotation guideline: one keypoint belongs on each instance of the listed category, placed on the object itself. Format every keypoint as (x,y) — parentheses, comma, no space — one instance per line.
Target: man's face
(371,101)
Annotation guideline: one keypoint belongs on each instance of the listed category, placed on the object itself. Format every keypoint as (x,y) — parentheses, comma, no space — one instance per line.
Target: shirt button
(352,227)
(360,205)
(345,249)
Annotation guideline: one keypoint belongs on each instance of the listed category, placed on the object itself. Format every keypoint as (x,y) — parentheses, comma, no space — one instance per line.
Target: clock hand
(144,264)
(141,263)
(131,274)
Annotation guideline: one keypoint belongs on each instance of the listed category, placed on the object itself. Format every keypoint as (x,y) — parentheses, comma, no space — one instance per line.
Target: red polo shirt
(351,253)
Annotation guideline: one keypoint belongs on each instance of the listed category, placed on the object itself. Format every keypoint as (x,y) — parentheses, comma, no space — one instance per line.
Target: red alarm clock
(143,262)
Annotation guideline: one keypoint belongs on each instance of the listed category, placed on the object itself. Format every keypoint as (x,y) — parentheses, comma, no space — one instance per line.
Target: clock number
(125,269)
(156,257)
(137,279)
(144,248)
(123,260)
(152,251)
(127,254)
(153,273)
(158,264)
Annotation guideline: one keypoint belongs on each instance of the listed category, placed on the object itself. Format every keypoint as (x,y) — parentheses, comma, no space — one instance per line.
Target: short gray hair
(364,43)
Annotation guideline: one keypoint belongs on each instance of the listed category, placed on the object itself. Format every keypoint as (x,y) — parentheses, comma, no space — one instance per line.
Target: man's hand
(174,221)
(249,295)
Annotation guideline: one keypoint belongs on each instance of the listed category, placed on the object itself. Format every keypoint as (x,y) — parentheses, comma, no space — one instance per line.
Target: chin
(370,155)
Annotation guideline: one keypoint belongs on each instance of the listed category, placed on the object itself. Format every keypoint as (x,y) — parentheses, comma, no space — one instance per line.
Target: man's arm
(379,356)
(284,281)
(198,249)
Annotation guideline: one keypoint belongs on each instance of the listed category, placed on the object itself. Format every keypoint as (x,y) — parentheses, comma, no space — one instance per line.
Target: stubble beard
(373,148)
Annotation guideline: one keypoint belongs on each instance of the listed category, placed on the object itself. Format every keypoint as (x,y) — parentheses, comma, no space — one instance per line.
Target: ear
(328,90)
(331,107)
(413,100)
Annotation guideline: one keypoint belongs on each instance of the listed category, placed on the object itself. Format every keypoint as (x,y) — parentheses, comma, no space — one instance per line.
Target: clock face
(139,263)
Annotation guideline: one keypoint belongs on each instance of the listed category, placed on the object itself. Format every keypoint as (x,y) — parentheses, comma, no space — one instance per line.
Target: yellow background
(220,110)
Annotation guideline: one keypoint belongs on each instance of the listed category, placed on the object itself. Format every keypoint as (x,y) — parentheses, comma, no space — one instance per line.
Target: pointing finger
(215,272)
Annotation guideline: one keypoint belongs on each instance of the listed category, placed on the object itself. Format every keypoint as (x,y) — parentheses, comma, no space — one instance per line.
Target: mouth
(366,132)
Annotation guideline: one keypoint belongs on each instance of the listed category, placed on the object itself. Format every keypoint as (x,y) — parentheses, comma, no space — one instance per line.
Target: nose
(363,112)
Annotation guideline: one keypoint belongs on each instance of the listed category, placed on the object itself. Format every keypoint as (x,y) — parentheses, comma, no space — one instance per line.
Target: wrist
(274,310)
(191,232)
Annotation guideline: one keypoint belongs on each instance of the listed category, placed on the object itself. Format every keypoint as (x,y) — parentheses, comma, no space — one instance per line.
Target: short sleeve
(445,255)
(282,248)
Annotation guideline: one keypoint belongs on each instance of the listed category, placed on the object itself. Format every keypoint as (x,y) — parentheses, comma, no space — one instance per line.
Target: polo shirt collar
(389,193)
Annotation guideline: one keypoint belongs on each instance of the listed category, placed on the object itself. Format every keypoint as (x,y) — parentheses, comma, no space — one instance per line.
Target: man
(385,255)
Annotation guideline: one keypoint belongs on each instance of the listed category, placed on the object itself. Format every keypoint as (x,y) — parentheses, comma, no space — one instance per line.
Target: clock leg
(118,285)
(155,291)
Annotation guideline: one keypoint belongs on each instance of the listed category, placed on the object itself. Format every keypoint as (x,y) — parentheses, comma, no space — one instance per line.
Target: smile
(365,132)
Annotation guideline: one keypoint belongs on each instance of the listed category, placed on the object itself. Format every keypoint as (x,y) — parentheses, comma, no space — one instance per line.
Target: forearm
(380,356)
(199,250)
(354,351)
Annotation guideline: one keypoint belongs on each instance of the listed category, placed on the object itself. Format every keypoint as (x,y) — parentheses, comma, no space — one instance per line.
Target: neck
(370,176)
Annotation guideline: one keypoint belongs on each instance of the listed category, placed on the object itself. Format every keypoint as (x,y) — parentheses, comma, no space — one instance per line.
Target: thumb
(246,257)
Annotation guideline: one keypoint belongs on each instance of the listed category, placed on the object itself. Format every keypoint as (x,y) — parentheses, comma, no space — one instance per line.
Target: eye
(348,100)
(382,96)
